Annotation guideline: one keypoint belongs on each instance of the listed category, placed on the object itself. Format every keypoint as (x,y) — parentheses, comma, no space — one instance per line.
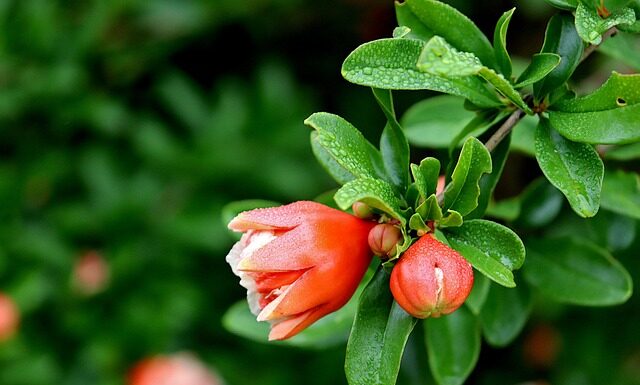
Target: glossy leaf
(462,193)
(441,59)
(615,126)
(571,271)
(500,43)
(573,168)
(621,193)
(453,346)
(375,193)
(478,295)
(407,18)
(417,223)
(540,204)
(560,38)
(541,65)
(393,144)
(623,153)
(493,249)
(438,17)
(436,121)
(346,146)
(328,162)
(429,209)
(380,331)
(489,181)
(624,48)
(504,314)
(591,26)
(568,5)
(618,92)
(610,114)
(426,176)
(452,219)
(391,64)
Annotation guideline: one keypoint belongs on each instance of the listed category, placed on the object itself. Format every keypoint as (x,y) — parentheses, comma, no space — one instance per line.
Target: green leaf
(401,32)
(621,193)
(346,146)
(624,153)
(417,223)
(624,48)
(476,299)
(541,65)
(380,331)
(426,176)
(617,93)
(439,18)
(453,219)
(328,162)
(489,181)
(329,331)
(572,271)
(393,144)
(608,230)
(506,209)
(441,59)
(453,346)
(615,126)
(610,114)
(540,204)
(407,18)
(573,168)
(560,38)
(504,314)
(590,26)
(375,193)
(462,193)
(476,127)
(436,121)
(500,43)
(568,5)
(429,210)
(491,248)
(391,64)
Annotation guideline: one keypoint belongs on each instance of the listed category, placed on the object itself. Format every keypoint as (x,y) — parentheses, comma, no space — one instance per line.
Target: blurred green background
(126,126)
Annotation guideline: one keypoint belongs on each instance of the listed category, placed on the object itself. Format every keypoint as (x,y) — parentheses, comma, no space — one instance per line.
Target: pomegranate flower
(431,279)
(9,317)
(177,369)
(298,262)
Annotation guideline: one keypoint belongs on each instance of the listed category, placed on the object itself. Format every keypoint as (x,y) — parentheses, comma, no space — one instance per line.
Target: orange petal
(282,217)
(290,251)
(292,326)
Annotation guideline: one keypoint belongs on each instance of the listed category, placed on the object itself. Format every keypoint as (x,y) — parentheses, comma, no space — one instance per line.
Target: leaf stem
(518,114)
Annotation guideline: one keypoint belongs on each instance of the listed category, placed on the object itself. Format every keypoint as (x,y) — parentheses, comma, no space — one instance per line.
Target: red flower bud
(440,186)
(383,239)
(178,369)
(362,210)
(9,317)
(298,262)
(90,273)
(431,279)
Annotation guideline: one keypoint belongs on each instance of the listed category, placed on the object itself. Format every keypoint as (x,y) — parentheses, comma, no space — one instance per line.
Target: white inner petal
(439,284)
(245,247)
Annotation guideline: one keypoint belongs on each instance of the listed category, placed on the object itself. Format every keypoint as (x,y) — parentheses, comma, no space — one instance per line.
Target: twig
(518,114)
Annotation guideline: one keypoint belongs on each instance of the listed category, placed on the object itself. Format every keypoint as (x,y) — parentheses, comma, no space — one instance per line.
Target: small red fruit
(431,279)
(383,239)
